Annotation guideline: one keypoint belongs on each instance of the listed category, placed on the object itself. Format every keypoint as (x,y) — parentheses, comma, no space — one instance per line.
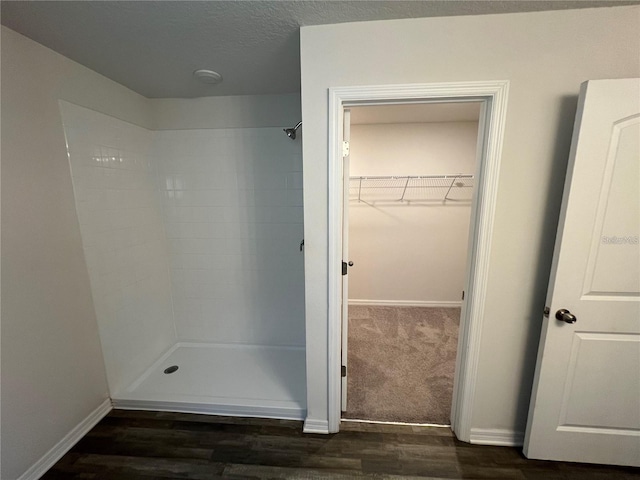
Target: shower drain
(171,369)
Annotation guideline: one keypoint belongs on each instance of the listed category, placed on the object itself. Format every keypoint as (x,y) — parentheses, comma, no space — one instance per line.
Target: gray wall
(411,252)
(243,111)
(53,374)
(545,56)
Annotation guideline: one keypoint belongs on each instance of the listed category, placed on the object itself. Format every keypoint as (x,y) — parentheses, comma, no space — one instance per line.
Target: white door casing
(494,94)
(346,129)
(585,405)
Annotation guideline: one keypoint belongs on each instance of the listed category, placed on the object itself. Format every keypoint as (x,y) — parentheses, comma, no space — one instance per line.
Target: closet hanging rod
(409,184)
(410,177)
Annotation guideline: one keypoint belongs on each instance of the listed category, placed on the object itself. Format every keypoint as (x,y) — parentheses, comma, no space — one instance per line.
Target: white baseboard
(491,436)
(315,426)
(49,459)
(405,303)
(278,412)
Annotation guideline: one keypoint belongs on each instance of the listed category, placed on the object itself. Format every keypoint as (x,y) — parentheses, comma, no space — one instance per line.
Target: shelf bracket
(446,196)
(406,184)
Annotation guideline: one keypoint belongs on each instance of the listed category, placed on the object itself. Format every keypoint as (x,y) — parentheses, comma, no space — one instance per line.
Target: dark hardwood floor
(135,445)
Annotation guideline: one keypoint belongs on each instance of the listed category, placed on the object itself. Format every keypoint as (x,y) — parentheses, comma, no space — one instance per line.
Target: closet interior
(411,189)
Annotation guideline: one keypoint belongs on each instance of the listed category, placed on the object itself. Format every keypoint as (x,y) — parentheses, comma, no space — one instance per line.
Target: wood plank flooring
(136,445)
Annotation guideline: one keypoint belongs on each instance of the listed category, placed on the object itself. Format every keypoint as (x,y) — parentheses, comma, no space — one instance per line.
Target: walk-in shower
(191,239)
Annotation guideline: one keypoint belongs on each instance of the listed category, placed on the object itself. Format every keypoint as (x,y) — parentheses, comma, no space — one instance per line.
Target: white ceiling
(153,47)
(415,113)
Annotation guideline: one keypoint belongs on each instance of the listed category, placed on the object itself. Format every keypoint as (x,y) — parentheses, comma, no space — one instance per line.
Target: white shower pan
(223,379)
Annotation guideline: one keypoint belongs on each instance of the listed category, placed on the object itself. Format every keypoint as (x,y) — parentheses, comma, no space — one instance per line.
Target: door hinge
(344,371)
(462,294)
(345,149)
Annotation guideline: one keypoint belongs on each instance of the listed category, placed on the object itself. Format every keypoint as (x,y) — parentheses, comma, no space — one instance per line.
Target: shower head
(291,132)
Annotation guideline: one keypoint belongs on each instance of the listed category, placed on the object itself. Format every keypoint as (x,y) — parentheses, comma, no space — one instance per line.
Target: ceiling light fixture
(208,76)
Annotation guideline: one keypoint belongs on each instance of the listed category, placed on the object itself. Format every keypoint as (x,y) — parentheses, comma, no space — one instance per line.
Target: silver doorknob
(351,264)
(565,315)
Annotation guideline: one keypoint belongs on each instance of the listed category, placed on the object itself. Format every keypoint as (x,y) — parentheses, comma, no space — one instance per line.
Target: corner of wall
(65,444)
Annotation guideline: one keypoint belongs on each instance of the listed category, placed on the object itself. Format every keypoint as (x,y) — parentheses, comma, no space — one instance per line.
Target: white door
(345,254)
(585,404)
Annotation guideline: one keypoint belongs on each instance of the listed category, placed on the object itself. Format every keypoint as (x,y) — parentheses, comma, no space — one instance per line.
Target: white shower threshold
(223,379)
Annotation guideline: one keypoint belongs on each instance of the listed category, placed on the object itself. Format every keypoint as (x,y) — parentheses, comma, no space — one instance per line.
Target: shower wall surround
(189,235)
(119,211)
(232,202)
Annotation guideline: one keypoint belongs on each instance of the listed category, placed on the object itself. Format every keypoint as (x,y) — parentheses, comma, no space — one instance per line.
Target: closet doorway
(492,96)
(411,177)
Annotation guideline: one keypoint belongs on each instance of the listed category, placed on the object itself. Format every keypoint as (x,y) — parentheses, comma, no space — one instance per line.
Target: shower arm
(291,132)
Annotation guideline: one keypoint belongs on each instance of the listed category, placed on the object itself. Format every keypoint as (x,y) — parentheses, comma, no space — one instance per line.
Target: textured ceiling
(153,47)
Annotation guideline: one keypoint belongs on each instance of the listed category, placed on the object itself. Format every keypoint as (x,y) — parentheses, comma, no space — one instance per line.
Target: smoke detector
(208,76)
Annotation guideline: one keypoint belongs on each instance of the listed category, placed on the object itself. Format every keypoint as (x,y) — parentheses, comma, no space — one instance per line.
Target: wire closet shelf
(412,188)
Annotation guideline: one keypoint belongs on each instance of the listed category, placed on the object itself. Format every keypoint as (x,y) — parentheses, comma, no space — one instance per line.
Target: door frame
(491,125)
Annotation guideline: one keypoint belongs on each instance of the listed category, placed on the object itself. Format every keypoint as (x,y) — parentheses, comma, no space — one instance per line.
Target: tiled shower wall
(232,201)
(188,235)
(119,211)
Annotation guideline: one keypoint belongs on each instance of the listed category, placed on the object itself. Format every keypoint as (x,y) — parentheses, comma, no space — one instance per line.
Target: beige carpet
(401,363)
